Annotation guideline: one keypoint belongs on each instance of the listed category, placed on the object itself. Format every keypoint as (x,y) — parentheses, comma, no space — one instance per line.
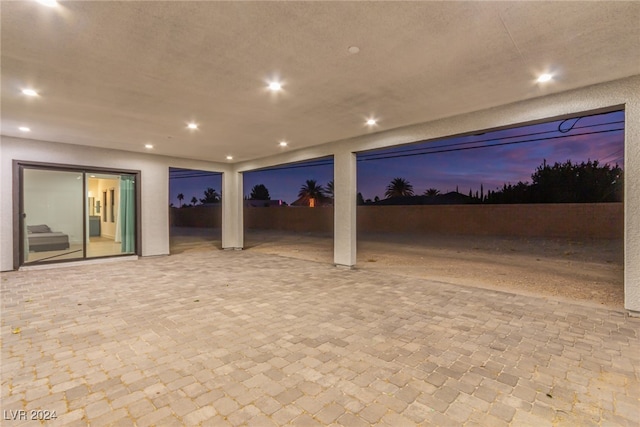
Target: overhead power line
(616,155)
(393,156)
(443,148)
(524,135)
(304,165)
(193,174)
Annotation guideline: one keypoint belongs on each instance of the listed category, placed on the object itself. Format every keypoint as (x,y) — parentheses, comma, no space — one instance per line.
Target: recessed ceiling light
(353,49)
(50,3)
(24,129)
(229,157)
(371,122)
(29,92)
(93,176)
(148,146)
(275,86)
(192,125)
(283,143)
(543,78)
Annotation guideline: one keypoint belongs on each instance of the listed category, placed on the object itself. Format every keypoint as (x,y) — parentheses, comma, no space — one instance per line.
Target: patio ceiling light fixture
(275,86)
(29,92)
(544,78)
(49,3)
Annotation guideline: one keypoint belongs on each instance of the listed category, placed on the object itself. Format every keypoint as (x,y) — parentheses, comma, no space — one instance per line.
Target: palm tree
(431,192)
(311,191)
(329,190)
(194,200)
(181,198)
(399,187)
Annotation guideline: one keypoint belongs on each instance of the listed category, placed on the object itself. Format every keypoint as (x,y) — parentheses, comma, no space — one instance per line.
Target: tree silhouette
(180,198)
(194,200)
(259,192)
(586,182)
(569,182)
(431,192)
(311,192)
(399,187)
(210,196)
(329,189)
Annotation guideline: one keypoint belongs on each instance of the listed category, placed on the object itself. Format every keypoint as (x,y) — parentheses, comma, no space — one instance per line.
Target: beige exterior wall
(301,219)
(198,216)
(583,220)
(154,175)
(580,220)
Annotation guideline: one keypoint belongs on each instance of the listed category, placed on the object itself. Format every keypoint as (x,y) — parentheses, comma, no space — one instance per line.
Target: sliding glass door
(76,214)
(112,217)
(52,215)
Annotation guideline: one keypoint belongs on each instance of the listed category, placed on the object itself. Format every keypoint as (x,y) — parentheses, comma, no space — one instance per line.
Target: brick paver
(231,338)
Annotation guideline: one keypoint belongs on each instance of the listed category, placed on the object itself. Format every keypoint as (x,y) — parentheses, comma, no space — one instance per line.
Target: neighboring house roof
(452,198)
(321,201)
(264,203)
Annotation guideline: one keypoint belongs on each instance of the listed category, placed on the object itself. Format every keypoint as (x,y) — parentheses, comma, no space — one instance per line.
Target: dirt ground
(585,271)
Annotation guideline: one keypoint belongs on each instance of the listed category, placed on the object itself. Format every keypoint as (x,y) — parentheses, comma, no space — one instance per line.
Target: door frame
(18,205)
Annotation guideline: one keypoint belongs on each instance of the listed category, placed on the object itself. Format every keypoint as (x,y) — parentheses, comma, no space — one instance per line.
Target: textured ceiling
(123,74)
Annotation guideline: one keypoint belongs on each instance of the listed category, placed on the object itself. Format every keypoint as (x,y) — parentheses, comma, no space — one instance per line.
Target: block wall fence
(575,220)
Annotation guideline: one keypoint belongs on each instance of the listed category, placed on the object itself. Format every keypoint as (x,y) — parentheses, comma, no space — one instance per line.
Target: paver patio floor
(244,338)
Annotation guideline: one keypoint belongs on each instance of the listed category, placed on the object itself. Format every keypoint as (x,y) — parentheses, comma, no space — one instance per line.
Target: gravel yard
(586,271)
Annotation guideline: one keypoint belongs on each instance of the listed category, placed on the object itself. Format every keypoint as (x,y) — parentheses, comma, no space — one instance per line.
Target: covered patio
(254,338)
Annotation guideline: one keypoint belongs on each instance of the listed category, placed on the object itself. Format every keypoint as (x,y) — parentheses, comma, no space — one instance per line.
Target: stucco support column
(632,208)
(344,209)
(232,211)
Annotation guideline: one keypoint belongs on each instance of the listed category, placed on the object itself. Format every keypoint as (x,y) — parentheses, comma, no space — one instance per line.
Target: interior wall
(92,191)
(54,199)
(108,228)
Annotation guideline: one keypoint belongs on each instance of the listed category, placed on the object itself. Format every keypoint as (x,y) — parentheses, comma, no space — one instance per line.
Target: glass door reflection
(52,215)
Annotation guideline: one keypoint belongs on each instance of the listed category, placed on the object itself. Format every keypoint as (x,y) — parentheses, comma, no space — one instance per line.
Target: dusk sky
(523,149)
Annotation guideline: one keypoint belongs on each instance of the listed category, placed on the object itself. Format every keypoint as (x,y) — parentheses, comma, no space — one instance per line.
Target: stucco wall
(319,219)
(154,180)
(584,220)
(580,220)
(198,216)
